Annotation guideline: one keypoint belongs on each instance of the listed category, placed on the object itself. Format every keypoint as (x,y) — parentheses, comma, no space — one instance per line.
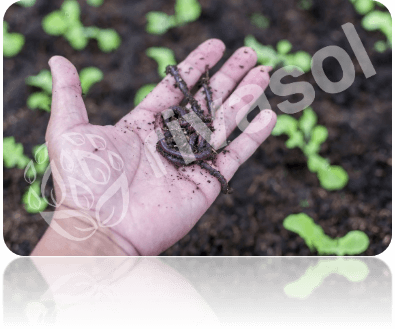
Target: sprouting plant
(12,42)
(95,3)
(26,3)
(352,269)
(379,20)
(267,55)
(42,99)
(143,92)
(89,76)
(260,20)
(13,154)
(32,200)
(34,172)
(375,20)
(353,243)
(186,11)
(308,136)
(163,56)
(66,22)
(305,4)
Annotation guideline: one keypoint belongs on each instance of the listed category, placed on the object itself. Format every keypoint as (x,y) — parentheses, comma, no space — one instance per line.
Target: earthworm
(224,184)
(202,151)
(192,139)
(202,155)
(208,93)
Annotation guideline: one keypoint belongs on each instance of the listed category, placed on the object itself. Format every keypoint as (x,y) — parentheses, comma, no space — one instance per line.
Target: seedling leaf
(13,154)
(55,23)
(319,134)
(260,21)
(39,101)
(75,34)
(187,11)
(307,121)
(108,40)
(95,3)
(32,201)
(266,54)
(163,56)
(353,243)
(334,178)
(285,125)
(89,76)
(295,140)
(284,47)
(159,23)
(26,3)
(12,42)
(316,163)
(363,6)
(142,93)
(42,80)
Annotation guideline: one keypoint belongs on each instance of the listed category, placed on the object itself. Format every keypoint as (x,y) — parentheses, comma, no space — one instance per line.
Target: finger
(229,75)
(246,144)
(68,108)
(166,94)
(239,103)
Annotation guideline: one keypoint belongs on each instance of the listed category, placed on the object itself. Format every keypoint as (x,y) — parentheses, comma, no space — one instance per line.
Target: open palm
(114,174)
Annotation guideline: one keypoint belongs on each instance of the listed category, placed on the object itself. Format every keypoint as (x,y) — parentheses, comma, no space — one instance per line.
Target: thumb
(68,108)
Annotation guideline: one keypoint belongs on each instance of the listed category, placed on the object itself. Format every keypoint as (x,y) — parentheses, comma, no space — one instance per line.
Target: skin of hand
(119,290)
(160,210)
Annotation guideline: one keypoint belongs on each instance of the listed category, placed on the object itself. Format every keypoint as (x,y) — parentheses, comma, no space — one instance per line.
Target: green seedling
(352,269)
(353,243)
(34,172)
(379,20)
(40,165)
(143,92)
(66,22)
(186,11)
(305,4)
(163,56)
(42,100)
(32,200)
(13,154)
(95,3)
(260,21)
(89,76)
(12,42)
(26,3)
(267,55)
(308,136)
(375,20)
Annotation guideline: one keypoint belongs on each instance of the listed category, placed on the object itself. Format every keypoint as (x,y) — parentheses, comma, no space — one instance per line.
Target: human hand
(149,211)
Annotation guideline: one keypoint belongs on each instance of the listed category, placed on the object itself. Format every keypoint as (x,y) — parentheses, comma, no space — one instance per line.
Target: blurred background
(121,47)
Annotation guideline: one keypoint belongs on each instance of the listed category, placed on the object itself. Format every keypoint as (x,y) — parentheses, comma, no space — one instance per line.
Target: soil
(275,181)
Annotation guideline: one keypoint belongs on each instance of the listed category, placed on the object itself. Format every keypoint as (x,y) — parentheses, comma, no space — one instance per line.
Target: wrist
(74,233)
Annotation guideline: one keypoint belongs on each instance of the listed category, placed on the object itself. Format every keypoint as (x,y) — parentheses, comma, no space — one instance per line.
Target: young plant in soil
(164,57)
(12,42)
(353,243)
(201,149)
(186,11)
(353,270)
(66,22)
(375,20)
(305,134)
(267,55)
(26,3)
(13,156)
(34,172)
(42,100)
